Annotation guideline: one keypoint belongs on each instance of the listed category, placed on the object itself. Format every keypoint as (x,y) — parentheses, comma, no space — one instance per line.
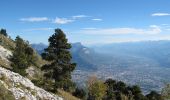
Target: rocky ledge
(23,88)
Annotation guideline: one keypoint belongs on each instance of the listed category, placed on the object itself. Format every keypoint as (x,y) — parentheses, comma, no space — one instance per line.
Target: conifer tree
(22,56)
(61,66)
(3,32)
(153,95)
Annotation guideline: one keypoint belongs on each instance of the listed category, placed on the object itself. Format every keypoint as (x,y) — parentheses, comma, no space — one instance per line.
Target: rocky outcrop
(23,88)
(17,86)
(5,54)
(4,57)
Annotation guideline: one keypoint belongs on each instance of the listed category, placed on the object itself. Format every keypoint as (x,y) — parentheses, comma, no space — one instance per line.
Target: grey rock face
(22,87)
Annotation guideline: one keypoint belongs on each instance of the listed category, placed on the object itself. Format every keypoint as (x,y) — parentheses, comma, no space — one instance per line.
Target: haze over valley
(145,63)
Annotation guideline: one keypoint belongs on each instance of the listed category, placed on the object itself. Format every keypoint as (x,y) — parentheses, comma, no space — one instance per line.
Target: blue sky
(87,21)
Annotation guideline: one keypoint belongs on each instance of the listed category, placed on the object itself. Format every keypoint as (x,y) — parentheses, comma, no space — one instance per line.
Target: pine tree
(61,66)
(153,95)
(3,32)
(22,56)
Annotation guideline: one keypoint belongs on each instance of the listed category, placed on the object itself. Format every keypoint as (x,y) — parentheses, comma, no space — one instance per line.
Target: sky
(87,21)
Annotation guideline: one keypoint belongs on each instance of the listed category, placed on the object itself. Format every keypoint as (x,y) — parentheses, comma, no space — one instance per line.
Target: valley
(134,63)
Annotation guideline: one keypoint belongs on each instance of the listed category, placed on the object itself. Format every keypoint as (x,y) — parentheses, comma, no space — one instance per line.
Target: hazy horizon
(88,22)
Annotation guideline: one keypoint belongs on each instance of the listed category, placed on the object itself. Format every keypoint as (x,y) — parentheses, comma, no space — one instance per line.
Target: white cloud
(89,28)
(161,14)
(39,29)
(34,19)
(165,24)
(68,20)
(79,16)
(63,20)
(153,29)
(57,20)
(97,19)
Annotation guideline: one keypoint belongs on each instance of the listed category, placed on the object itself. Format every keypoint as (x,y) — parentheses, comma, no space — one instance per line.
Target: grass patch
(66,95)
(7,42)
(4,64)
(5,94)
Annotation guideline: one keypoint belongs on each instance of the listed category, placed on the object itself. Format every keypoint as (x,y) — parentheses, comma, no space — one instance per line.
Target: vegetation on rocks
(5,94)
(20,87)
(6,41)
(22,56)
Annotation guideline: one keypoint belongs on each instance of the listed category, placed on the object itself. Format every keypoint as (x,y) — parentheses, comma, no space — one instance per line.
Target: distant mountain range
(39,47)
(158,51)
(83,56)
(143,63)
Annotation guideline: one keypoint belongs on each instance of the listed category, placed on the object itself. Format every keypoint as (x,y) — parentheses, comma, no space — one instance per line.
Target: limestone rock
(22,87)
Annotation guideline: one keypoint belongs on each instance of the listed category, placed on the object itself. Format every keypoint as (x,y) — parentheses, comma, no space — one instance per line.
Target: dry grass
(66,95)
(7,42)
(5,94)
(4,64)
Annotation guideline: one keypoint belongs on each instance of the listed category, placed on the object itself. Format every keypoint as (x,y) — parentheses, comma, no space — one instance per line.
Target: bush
(153,95)
(166,92)
(120,91)
(80,93)
(96,89)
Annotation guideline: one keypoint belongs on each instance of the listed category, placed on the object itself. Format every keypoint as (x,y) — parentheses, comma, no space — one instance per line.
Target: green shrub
(80,93)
